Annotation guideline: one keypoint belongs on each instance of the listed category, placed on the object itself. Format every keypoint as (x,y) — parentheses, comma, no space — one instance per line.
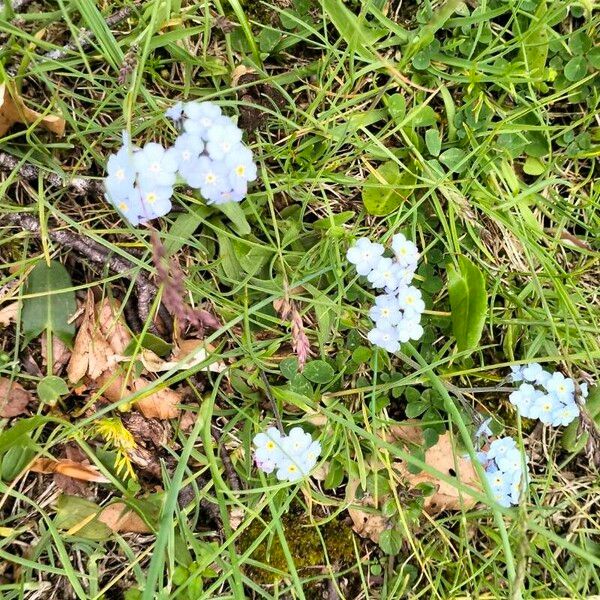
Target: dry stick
(146,291)
(86,37)
(78,185)
(232,477)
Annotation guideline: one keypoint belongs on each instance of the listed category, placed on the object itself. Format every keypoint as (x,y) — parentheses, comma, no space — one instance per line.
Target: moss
(304,543)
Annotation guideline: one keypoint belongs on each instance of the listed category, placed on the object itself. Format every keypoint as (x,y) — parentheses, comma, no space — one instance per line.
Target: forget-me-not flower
(364,255)
(385,337)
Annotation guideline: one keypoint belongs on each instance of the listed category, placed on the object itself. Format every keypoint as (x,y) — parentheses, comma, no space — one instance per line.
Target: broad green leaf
(51,308)
(397,107)
(468,302)
(533,166)
(354,30)
(289,367)
(318,371)
(535,43)
(576,68)
(433,141)
(11,437)
(72,512)
(229,263)
(387,188)
(390,541)
(421,116)
(51,388)
(236,215)
(453,158)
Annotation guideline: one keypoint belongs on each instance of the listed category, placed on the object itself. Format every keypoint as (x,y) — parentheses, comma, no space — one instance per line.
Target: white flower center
(120,174)
(155,167)
(210,178)
(185,155)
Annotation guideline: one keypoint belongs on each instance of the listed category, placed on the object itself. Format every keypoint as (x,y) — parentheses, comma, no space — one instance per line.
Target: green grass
(513,190)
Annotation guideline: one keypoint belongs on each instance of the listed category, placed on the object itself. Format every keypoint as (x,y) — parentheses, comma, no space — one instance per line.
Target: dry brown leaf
(409,432)
(121,519)
(61,354)
(9,313)
(179,358)
(442,457)
(238,72)
(366,524)
(100,342)
(161,404)
(14,398)
(13,110)
(69,468)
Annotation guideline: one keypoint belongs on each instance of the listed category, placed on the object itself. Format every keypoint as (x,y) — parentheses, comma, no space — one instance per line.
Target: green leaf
(390,541)
(452,158)
(51,388)
(421,61)
(51,308)
(397,107)
(11,437)
(535,43)
(335,475)
(72,511)
(533,166)
(289,367)
(576,68)
(354,30)
(387,188)
(593,57)
(468,302)
(421,116)
(414,409)
(433,141)
(234,212)
(318,371)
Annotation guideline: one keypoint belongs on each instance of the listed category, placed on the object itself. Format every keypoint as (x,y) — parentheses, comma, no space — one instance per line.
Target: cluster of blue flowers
(503,464)
(549,397)
(397,312)
(292,456)
(208,155)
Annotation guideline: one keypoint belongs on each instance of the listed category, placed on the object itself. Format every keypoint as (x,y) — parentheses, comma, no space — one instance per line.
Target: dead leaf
(442,457)
(14,398)
(181,359)
(161,404)
(100,341)
(122,519)
(69,468)
(187,420)
(13,110)
(61,354)
(68,485)
(236,517)
(366,524)
(409,432)
(9,313)
(238,72)
(147,430)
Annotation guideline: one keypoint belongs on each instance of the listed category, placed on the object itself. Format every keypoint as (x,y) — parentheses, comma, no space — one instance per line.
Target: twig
(78,185)
(86,37)
(146,290)
(273,403)
(232,477)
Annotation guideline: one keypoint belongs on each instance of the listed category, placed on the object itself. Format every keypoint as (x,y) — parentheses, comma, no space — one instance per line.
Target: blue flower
(409,329)
(223,141)
(385,337)
(525,398)
(517,373)
(544,407)
(561,387)
(175,112)
(121,173)
(583,390)
(187,150)
(406,251)
(153,200)
(484,429)
(410,301)
(224,197)
(209,177)
(155,165)
(386,311)
(510,461)
(268,451)
(500,447)
(384,274)
(564,414)
(364,255)
(202,117)
(535,373)
(242,168)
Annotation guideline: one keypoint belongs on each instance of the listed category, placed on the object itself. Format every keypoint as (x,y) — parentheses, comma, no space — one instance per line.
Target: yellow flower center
(120,174)
(151,198)
(210,178)
(122,206)
(240,170)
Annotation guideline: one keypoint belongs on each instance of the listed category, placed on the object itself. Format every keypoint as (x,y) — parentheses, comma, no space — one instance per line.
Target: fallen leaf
(236,517)
(13,110)
(100,341)
(14,398)
(442,457)
(180,358)
(9,313)
(68,485)
(69,468)
(187,420)
(161,404)
(122,519)
(366,524)
(61,354)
